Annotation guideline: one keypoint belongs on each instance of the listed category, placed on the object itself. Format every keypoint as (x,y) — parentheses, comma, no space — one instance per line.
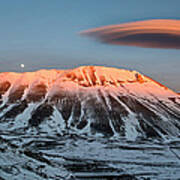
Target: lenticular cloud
(162,33)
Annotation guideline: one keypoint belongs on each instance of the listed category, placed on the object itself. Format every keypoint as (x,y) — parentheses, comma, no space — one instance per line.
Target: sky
(44,34)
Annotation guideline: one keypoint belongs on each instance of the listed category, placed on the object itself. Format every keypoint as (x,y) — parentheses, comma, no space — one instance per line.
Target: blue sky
(44,34)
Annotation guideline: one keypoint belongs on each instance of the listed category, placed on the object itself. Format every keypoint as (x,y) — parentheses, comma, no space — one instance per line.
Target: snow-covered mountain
(91,100)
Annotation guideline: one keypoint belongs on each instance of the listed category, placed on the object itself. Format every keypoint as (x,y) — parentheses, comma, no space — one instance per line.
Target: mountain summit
(91,100)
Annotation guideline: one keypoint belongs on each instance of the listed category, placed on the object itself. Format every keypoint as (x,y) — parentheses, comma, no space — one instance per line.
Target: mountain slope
(91,100)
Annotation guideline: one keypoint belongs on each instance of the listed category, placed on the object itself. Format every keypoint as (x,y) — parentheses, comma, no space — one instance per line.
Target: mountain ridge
(92,100)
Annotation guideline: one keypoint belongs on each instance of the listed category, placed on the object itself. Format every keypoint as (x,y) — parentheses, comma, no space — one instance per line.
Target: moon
(22,65)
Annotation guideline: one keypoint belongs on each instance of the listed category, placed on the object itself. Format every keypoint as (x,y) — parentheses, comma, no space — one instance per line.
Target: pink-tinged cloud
(161,33)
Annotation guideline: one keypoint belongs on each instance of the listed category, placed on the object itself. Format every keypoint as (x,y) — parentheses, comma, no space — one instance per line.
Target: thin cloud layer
(160,33)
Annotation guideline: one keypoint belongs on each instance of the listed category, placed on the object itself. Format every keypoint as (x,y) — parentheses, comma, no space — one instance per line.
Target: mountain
(91,100)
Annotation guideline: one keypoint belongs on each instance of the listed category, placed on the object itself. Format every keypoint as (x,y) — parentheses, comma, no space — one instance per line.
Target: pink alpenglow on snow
(86,78)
